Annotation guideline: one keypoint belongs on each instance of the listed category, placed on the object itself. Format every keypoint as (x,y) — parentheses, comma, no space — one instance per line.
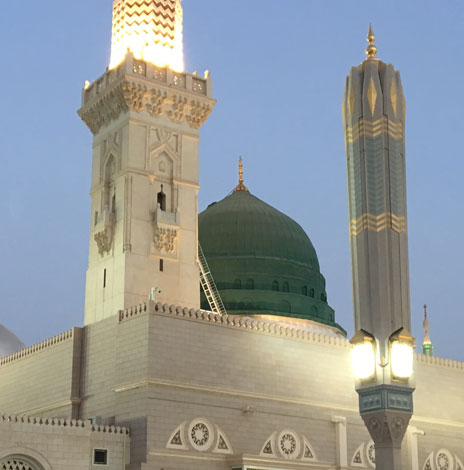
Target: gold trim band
(377,223)
(373,129)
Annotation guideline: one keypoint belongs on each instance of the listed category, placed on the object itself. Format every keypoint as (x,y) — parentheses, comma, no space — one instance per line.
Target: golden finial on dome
(240,186)
(371,49)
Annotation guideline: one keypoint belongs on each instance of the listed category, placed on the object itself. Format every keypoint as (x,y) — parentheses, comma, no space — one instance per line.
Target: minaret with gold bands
(374,120)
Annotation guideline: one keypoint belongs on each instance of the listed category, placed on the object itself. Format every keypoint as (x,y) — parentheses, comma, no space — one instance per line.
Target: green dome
(262,261)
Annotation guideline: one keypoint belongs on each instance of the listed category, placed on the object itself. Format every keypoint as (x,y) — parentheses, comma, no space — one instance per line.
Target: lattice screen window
(16,464)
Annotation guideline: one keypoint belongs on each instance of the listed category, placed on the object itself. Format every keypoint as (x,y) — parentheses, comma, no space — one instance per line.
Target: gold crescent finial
(240,186)
(371,49)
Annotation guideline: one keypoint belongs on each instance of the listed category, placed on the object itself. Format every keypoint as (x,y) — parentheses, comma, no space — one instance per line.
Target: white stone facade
(46,444)
(143,232)
(199,389)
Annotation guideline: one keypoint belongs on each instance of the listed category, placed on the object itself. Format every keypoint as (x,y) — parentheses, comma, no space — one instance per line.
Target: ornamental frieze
(132,96)
(165,239)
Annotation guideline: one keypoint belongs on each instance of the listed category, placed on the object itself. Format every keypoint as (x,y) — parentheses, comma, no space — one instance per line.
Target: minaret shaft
(145,120)
(374,112)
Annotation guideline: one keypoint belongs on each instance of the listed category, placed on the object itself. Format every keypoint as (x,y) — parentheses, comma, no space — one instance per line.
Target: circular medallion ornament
(200,434)
(444,460)
(289,444)
(371,453)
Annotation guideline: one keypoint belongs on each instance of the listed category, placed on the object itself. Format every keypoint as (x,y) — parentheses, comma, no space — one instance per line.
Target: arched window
(275,285)
(286,287)
(304,290)
(311,293)
(19,463)
(161,199)
(250,284)
(108,180)
(324,297)
(237,284)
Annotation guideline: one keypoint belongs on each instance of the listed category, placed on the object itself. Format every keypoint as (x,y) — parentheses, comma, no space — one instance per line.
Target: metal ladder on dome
(209,286)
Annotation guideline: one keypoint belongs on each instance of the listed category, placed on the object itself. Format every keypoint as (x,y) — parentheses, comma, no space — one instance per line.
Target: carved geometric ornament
(132,96)
(364,455)
(288,445)
(165,239)
(443,459)
(199,435)
(16,464)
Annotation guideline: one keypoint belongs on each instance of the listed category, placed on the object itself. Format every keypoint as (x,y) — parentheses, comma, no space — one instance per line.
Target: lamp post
(374,118)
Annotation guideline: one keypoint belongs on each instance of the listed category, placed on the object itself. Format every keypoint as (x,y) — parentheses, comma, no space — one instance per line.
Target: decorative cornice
(132,96)
(70,423)
(138,86)
(259,326)
(243,323)
(63,337)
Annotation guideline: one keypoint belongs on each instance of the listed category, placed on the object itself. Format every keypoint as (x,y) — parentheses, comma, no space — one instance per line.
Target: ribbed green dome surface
(243,225)
(262,261)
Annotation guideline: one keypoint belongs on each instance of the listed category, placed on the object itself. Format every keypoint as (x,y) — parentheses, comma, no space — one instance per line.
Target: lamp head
(401,354)
(363,355)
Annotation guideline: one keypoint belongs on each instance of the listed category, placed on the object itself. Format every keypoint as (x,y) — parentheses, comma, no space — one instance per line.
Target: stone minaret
(145,115)
(374,120)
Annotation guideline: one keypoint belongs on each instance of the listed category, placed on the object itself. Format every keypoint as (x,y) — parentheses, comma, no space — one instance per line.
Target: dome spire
(240,186)
(427,347)
(371,49)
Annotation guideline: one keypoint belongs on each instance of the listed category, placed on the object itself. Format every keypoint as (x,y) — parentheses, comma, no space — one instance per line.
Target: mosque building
(208,339)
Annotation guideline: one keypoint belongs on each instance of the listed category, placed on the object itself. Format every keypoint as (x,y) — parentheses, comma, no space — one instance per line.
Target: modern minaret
(145,114)
(427,346)
(374,121)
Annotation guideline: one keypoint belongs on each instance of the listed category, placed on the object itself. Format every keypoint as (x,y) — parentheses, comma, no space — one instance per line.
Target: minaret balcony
(132,67)
(161,217)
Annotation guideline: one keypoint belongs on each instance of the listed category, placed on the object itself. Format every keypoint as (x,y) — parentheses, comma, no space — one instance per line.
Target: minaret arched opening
(161,199)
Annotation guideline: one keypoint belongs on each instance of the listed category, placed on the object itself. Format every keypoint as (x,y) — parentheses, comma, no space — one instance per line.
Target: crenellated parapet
(141,87)
(43,345)
(65,423)
(306,332)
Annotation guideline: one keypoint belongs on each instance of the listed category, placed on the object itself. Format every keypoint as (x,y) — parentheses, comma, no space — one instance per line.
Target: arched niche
(22,458)
(163,165)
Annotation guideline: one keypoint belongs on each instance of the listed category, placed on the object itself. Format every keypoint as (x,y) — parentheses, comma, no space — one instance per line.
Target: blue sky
(279,70)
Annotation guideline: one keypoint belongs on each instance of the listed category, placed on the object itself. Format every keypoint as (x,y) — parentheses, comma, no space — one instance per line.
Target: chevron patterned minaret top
(151,30)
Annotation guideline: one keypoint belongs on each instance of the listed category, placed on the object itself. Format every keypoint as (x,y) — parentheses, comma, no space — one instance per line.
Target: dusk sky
(278,69)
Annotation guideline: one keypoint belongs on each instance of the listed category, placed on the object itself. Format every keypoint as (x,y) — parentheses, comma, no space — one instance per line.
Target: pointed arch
(459,464)
(177,438)
(358,457)
(222,444)
(428,464)
(267,450)
(308,451)
(23,458)
(163,156)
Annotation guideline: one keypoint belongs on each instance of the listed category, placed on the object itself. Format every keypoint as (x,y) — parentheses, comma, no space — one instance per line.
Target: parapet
(65,423)
(136,85)
(61,338)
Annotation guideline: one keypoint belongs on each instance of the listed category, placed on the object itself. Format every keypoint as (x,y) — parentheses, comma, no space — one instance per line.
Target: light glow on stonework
(363,360)
(152,31)
(401,359)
